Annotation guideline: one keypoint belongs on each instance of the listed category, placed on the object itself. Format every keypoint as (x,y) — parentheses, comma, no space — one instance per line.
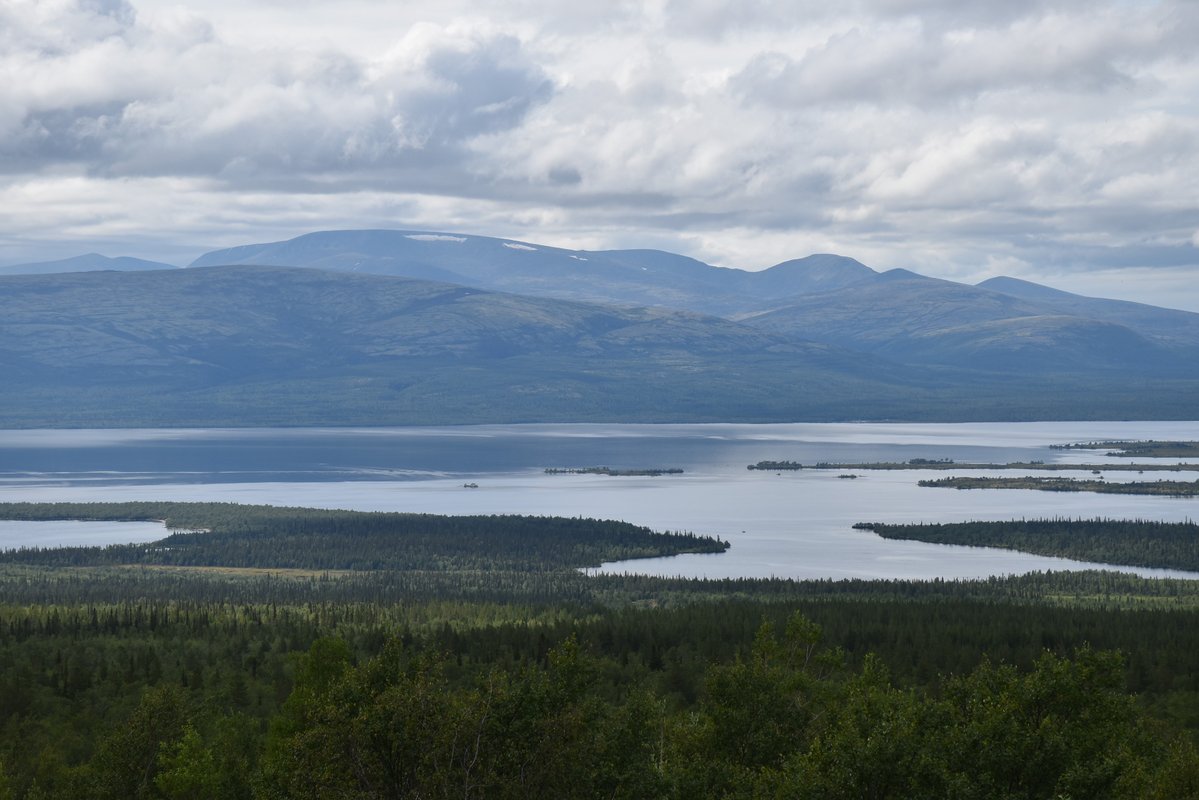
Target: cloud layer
(964,139)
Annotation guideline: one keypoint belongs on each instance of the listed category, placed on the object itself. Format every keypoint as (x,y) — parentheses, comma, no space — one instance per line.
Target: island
(950,464)
(1140,543)
(1167,488)
(1131,448)
(622,473)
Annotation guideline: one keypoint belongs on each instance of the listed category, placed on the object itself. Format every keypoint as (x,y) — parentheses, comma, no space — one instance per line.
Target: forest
(1139,543)
(1158,487)
(131,672)
(227,535)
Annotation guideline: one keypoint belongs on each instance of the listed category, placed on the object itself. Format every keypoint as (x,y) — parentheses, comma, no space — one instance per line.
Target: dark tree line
(1141,543)
(228,535)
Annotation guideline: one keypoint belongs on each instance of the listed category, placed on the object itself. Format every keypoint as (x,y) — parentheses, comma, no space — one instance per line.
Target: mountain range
(362,327)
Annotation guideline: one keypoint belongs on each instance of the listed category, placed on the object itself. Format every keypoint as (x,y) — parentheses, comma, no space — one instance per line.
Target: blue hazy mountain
(624,277)
(915,319)
(1002,325)
(84,263)
(318,330)
(275,345)
(1165,325)
(252,345)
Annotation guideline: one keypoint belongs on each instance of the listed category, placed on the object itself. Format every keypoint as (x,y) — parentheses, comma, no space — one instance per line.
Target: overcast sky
(1054,141)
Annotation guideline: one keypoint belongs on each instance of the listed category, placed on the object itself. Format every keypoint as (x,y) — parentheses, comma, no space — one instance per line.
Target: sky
(963,139)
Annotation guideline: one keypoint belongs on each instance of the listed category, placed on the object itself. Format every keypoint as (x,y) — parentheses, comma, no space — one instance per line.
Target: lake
(793,524)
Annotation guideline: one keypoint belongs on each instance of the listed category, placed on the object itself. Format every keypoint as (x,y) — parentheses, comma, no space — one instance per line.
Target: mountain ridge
(87,262)
(1002,326)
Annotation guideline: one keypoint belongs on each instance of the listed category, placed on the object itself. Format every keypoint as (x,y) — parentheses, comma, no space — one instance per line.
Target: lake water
(794,524)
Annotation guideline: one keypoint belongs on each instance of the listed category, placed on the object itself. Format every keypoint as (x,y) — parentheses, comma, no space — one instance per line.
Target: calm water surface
(795,524)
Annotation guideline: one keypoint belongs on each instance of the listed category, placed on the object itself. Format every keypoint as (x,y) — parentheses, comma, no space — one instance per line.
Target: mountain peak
(820,272)
(901,274)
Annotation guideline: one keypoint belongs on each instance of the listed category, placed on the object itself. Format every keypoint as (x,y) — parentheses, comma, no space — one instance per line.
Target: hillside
(914,319)
(269,345)
(818,338)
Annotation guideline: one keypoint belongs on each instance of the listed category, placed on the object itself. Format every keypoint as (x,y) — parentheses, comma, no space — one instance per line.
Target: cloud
(942,135)
(121,99)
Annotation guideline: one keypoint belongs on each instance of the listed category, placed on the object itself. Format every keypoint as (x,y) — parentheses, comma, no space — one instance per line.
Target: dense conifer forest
(1141,543)
(216,673)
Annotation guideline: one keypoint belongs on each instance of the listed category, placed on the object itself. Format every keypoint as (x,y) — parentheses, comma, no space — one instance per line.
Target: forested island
(1142,543)
(268,537)
(637,473)
(1164,488)
(1131,449)
(299,653)
(950,464)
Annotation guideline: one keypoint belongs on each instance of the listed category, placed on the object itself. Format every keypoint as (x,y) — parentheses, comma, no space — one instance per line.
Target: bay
(793,524)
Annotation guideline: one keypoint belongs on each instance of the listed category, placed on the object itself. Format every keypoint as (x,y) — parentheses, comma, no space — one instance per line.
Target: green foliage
(699,699)
(6,792)
(126,764)
(181,683)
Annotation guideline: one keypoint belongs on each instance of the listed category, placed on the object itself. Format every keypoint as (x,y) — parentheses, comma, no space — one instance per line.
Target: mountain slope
(284,346)
(914,319)
(272,345)
(1165,326)
(1053,344)
(822,272)
(887,308)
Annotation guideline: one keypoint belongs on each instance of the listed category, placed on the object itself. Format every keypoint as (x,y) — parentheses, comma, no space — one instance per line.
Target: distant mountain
(822,272)
(253,345)
(84,263)
(1166,326)
(271,345)
(408,326)
(624,277)
(1002,325)
(914,319)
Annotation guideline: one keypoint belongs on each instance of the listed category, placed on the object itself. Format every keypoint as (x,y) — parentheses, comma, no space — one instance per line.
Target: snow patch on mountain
(434,237)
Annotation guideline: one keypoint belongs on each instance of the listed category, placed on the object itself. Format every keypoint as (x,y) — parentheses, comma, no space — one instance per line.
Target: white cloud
(130,99)
(949,136)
